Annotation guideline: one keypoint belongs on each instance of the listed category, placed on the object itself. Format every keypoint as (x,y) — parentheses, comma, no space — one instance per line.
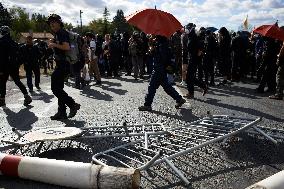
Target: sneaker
(189,96)
(205,90)
(183,83)
(98,83)
(276,97)
(180,103)
(2,102)
(38,88)
(74,110)
(58,116)
(27,100)
(145,108)
(259,90)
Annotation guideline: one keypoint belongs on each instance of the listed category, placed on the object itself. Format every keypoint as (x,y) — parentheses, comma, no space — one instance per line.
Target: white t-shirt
(92,48)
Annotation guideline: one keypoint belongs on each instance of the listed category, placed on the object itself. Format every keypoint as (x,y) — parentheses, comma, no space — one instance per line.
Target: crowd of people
(195,57)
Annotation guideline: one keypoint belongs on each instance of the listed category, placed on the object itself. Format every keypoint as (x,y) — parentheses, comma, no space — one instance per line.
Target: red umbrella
(153,21)
(272,31)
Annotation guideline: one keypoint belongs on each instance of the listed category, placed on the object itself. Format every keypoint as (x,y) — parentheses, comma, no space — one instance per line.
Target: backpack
(75,53)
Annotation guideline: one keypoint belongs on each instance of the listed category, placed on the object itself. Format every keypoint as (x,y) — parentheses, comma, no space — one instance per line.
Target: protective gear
(4,30)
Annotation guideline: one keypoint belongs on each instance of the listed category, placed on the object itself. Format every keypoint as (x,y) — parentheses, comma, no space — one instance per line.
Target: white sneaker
(183,83)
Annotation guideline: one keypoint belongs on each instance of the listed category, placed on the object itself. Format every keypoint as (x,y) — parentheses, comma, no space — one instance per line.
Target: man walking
(60,46)
(31,59)
(9,65)
(162,57)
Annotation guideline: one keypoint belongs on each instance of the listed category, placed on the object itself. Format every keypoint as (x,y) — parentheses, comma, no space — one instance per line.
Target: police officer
(60,46)
(162,57)
(31,59)
(9,65)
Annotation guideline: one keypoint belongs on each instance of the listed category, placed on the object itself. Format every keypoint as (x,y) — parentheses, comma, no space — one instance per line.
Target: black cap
(54,18)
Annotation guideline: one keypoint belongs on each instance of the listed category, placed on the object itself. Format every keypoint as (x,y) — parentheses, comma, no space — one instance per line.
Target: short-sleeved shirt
(60,37)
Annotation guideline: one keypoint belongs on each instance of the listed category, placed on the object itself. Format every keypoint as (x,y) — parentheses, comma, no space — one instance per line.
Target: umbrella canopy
(272,31)
(153,21)
(212,29)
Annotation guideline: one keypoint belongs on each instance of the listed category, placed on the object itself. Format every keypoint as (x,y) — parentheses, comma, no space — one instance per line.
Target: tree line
(20,21)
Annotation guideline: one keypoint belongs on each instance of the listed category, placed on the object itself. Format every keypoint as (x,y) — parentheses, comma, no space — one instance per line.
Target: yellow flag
(246,23)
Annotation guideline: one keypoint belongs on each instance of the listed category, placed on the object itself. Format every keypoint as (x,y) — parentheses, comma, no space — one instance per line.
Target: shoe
(276,97)
(58,116)
(98,83)
(38,88)
(270,91)
(180,103)
(145,108)
(189,96)
(205,90)
(141,77)
(31,90)
(212,84)
(27,100)
(259,90)
(183,83)
(74,110)
(2,102)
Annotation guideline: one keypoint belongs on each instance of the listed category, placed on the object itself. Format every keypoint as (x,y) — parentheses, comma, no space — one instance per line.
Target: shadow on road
(251,111)
(21,120)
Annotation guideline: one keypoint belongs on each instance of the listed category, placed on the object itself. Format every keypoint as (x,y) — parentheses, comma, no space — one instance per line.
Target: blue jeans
(157,79)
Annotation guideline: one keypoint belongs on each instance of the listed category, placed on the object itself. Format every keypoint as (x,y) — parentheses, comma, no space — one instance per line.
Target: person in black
(31,59)
(115,55)
(125,53)
(60,46)
(162,57)
(9,65)
(210,46)
(194,49)
(239,50)
(224,61)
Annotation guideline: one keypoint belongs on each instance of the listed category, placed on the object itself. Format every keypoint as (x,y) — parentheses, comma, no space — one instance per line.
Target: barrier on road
(68,173)
(275,181)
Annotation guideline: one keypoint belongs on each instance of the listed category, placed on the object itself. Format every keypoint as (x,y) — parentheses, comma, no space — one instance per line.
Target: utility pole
(81,21)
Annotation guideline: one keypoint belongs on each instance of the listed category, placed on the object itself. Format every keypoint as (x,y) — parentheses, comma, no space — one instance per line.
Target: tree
(38,23)
(5,17)
(106,21)
(20,20)
(119,22)
(97,26)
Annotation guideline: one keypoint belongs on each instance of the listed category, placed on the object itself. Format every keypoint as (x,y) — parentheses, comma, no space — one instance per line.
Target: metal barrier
(42,135)
(162,148)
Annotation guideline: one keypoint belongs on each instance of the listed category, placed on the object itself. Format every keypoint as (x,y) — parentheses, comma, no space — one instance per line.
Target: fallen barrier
(68,173)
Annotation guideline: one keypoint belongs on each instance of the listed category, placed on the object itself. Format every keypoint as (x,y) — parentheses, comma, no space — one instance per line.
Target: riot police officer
(9,65)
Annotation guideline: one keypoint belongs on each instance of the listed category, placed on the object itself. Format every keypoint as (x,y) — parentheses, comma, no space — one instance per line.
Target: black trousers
(30,70)
(14,73)
(57,85)
(191,76)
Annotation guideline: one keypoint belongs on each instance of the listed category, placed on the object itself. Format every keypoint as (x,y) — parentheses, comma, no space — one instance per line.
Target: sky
(217,13)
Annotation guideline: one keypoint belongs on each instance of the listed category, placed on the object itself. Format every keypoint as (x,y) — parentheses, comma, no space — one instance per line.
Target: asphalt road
(238,164)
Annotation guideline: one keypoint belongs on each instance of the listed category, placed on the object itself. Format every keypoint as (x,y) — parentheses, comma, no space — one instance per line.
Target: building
(40,36)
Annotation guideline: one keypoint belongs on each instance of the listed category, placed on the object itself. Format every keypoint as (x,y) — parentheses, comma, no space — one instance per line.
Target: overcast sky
(228,13)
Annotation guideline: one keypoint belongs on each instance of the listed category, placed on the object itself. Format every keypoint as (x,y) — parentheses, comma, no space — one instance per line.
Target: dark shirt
(162,57)
(60,37)
(8,54)
(30,55)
